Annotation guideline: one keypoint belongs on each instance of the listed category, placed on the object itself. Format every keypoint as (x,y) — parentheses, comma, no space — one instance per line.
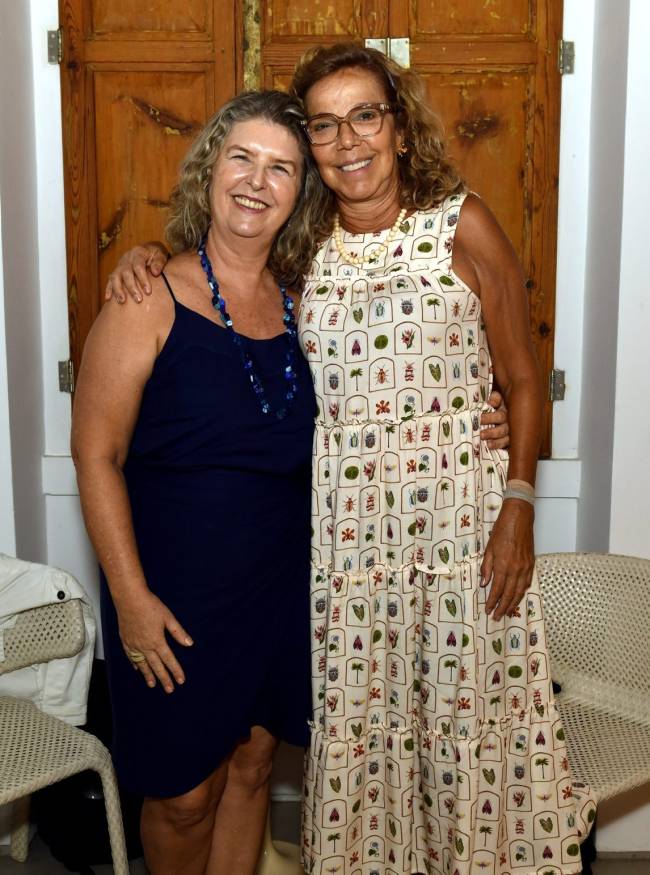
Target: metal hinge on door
(66,376)
(398,49)
(556,385)
(55,46)
(566,56)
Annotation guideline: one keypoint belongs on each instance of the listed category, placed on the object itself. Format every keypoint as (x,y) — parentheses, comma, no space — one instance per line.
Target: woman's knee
(189,810)
(251,763)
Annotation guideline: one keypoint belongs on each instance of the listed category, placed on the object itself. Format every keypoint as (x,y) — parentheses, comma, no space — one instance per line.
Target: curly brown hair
(293,249)
(427,175)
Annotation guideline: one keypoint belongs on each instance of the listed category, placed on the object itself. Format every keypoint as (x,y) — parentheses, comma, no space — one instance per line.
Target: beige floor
(41,863)
(285,827)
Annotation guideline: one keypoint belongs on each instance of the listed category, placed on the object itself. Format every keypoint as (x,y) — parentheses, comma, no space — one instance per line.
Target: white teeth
(348,168)
(246,202)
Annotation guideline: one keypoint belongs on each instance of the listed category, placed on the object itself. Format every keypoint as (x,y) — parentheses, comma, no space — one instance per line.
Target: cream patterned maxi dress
(436,745)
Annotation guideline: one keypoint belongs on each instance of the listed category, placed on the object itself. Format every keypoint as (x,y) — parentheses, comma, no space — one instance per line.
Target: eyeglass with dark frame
(365,120)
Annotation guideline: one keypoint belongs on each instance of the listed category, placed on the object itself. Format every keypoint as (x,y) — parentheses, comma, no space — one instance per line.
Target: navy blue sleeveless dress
(220,496)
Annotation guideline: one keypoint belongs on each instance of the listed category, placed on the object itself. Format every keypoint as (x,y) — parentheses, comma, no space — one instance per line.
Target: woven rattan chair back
(598,621)
(597,609)
(53,631)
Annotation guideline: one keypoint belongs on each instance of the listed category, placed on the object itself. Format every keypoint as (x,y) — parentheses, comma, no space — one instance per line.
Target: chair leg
(114,821)
(19,829)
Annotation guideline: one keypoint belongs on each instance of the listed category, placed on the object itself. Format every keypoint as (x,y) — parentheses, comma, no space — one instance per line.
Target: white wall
(630,505)
(603,261)
(22,291)
(625,822)
(573,201)
(7,520)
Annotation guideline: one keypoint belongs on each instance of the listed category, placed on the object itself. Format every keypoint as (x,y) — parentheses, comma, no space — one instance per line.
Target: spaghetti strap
(169,287)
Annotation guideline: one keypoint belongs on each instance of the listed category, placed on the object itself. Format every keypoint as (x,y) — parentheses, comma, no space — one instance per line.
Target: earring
(402,149)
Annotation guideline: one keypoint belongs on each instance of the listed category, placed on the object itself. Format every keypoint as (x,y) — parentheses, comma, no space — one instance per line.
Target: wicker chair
(37,749)
(597,610)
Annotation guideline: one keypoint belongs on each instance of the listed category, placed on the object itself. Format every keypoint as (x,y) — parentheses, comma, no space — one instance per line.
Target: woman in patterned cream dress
(436,745)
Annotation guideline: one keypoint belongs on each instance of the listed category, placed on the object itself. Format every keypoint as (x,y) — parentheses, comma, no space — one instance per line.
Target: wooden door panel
(491,75)
(138,80)
(171,17)
(288,27)
(313,20)
(281,81)
(489,129)
(296,18)
(470,18)
(140,143)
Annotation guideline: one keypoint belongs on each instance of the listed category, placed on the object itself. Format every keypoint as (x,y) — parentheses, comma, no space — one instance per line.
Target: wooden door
(138,82)
(491,74)
(288,27)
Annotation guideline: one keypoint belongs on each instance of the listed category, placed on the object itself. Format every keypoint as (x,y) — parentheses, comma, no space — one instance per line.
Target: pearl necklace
(365,260)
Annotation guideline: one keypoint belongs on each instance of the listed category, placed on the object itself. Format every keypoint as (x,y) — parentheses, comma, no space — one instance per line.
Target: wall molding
(556,478)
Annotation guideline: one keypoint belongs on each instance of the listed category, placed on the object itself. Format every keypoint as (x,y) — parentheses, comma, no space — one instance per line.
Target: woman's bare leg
(177,832)
(241,815)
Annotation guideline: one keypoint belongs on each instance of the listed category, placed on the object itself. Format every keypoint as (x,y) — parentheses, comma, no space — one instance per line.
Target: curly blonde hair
(294,247)
(427,175)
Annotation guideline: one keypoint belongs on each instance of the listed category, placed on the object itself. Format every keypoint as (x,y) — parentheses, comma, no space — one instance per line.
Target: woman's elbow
(90,461)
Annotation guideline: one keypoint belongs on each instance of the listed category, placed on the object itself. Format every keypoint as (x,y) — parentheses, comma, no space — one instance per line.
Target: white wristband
(523,495)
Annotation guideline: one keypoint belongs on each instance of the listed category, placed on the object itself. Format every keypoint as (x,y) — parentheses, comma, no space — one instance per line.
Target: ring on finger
(136,656)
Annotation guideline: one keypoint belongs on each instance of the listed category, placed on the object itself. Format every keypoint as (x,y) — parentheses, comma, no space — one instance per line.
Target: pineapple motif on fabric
(436,745)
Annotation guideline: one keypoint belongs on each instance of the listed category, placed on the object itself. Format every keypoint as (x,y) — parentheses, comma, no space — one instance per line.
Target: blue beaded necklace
(290,330)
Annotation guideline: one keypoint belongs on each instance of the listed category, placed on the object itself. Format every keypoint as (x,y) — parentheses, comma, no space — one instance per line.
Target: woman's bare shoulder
(479,236)
(131,325)
(476,218)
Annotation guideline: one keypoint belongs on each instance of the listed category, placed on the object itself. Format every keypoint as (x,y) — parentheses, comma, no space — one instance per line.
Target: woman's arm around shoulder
(133,274)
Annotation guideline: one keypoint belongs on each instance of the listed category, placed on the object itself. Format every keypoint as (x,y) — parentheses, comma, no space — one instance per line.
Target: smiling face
(256,180)
(357,169)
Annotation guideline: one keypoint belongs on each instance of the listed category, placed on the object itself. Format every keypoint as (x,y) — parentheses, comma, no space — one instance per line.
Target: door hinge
(566,56)
(556,385)
(398,50)
(55,46)
(66,376)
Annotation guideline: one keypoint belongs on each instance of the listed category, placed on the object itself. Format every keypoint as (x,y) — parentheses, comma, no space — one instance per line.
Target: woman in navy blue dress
(193,464)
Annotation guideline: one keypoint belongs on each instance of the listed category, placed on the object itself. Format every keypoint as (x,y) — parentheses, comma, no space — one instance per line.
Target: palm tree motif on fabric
(356,373)
(485,832)
(451,664)
(334,837)
(435,303)
(542,762)
(356,668)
